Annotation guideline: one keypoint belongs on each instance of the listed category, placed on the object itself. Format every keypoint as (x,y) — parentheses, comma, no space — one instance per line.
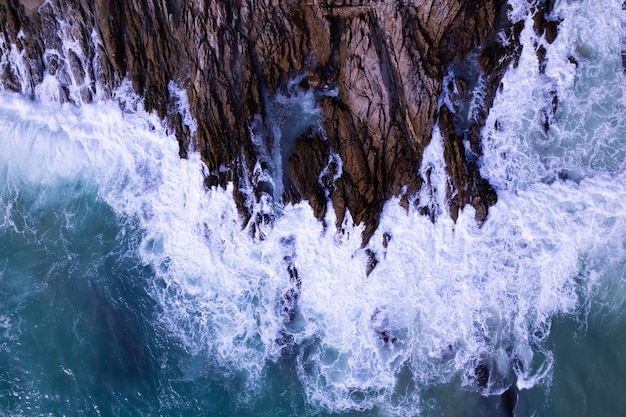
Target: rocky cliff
(374,72)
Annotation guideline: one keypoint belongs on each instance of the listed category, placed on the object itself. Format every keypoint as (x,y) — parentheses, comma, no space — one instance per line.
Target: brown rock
(545,26)
(385,59)
(30,6)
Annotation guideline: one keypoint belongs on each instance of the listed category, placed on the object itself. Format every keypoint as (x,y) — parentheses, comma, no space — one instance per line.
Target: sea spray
(582,86)
(450,296)
(447,296)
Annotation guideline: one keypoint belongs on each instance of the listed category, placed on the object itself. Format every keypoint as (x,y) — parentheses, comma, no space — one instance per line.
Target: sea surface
(129,289)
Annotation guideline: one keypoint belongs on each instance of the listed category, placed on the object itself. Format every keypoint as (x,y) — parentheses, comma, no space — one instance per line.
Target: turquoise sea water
(127,289)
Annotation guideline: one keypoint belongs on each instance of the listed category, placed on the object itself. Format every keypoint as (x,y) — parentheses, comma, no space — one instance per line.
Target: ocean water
(128,289)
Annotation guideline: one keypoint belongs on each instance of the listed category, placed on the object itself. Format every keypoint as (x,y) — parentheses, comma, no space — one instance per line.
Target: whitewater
(129,288)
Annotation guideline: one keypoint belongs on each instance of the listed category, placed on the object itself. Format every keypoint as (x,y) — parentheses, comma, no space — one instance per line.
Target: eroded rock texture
(377,68)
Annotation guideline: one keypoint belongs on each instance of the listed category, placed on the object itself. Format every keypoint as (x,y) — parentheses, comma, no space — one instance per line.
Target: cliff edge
(324,100)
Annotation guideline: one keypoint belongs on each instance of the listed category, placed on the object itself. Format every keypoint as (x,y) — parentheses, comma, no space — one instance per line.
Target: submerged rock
(378,67)
(380,325)
(508,401)
(481,374)
(290,297)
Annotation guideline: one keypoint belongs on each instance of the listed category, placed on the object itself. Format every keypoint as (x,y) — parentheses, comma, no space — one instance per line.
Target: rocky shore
(376,70)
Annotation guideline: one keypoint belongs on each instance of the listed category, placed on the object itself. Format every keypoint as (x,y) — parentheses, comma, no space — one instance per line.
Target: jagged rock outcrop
(376,67)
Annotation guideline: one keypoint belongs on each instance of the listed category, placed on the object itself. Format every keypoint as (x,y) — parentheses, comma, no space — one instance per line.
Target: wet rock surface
(378,67)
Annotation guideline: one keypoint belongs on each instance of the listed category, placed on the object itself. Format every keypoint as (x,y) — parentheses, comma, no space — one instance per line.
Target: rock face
(375,68)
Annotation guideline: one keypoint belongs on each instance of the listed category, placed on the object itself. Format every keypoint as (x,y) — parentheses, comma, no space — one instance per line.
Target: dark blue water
(77,324)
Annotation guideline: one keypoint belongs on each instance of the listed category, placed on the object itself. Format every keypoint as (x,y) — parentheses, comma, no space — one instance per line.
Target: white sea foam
(179,95)
(584,80)
(13,59)
(433,195)
(68,68)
